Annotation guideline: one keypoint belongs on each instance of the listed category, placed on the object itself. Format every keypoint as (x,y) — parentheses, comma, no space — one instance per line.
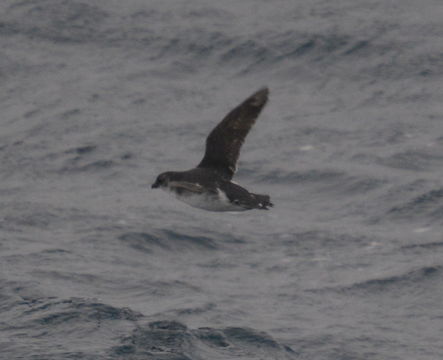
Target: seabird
(209,185)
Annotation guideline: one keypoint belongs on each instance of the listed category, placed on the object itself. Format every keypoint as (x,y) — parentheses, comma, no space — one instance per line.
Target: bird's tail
(263,201)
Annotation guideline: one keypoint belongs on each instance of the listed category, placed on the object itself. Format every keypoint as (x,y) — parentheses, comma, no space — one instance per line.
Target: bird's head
(162,180)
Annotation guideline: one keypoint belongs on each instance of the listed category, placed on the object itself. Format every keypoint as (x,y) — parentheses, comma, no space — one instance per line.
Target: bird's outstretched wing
(225,140)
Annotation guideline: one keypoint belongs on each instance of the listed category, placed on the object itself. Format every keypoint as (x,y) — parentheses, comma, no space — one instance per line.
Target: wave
(170,240)
(188,238)
(428,205)
(413,160)
(76,309)
(40,215)
(100,330)
(74,22)
(425,246)
(407,281)
(172,340)
(66,21)
(73,328)
(30,214)
(331,181)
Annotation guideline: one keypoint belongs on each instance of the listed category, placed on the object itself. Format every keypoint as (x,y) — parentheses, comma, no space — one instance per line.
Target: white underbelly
(210,202)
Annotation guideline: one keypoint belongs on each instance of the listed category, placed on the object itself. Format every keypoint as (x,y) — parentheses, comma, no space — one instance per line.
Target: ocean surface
(98,97)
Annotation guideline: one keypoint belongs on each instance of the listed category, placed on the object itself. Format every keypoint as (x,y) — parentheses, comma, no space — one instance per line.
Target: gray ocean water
(97,97)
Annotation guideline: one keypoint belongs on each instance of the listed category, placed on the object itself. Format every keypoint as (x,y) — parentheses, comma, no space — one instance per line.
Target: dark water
(98,97)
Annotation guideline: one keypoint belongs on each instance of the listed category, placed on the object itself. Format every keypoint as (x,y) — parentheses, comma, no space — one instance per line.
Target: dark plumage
(209,185)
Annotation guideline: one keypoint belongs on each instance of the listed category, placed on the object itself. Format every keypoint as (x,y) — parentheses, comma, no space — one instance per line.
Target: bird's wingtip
(263,89)
(260,96)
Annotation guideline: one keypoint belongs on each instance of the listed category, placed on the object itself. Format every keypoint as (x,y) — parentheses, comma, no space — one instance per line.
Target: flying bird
(209,186)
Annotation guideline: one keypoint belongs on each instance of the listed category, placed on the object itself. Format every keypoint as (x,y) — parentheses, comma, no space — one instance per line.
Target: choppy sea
(99,96)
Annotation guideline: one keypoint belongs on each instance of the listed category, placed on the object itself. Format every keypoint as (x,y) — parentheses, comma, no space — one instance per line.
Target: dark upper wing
(225,140)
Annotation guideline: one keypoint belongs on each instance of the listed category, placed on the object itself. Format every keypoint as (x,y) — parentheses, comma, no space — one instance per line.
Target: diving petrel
(209,185)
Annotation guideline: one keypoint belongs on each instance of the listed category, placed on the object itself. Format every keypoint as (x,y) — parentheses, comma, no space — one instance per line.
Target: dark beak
(155,185)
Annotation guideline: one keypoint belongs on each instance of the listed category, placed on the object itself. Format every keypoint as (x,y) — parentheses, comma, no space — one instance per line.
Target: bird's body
(206,189)
(209,185)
